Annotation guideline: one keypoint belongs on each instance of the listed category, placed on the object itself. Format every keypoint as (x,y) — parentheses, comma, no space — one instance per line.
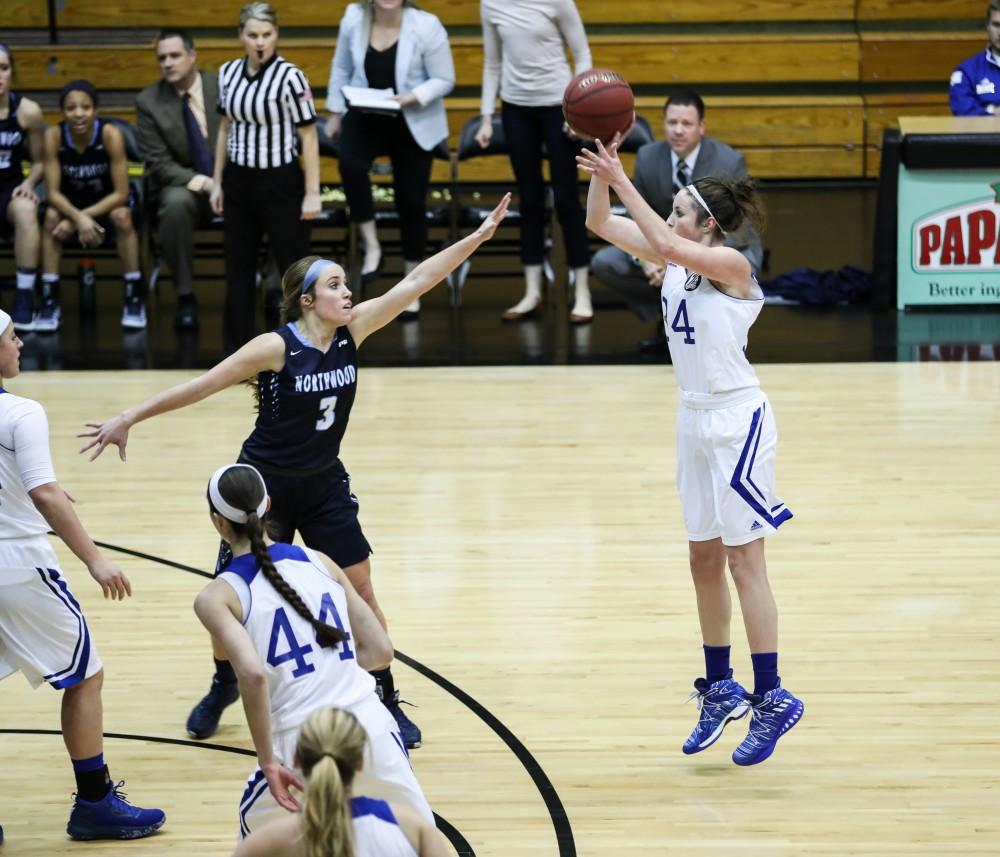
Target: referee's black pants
(257,201)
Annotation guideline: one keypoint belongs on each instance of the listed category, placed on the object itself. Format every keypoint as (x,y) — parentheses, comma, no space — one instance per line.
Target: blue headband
(312,274)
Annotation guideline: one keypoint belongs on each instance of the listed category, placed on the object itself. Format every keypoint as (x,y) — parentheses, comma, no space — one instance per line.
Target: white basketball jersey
(376,831)
(25,463)
(707,332)
(302,676)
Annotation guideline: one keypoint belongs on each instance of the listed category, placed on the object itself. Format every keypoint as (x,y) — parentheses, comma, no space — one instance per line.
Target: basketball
(597,103)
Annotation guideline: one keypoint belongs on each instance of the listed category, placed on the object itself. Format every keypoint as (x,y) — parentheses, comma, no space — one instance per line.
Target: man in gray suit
(661,169)
(178,124)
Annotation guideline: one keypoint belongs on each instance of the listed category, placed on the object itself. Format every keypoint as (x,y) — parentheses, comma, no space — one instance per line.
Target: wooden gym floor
(530,552)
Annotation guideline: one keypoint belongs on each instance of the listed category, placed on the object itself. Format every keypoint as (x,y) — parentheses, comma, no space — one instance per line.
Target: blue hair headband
(312,274)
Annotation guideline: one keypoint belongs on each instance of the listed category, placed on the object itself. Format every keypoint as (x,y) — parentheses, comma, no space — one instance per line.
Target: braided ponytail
(326,635)
(330,747)
(241,488)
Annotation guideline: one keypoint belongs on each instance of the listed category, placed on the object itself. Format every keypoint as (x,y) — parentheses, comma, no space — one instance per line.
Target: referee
(268,121)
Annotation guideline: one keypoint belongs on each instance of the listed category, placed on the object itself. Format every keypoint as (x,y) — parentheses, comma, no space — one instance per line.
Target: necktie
(681,177)
(201,157)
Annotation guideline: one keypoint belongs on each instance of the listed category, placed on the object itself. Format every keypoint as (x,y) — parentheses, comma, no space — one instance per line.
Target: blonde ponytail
(330,748)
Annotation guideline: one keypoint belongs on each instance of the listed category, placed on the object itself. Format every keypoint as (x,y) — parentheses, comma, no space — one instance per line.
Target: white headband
(227,510)
(691,189)
(4,321)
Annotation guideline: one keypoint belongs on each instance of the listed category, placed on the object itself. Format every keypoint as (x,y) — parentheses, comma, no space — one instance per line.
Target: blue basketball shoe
(771,716)
(408,730)
(112,817)
(720,703)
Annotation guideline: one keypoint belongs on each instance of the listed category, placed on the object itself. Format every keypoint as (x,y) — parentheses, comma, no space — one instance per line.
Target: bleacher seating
(813,84)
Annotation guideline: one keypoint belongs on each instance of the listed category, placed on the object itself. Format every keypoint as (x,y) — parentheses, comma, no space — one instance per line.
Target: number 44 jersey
(304,408)
(302,675)
(707,332)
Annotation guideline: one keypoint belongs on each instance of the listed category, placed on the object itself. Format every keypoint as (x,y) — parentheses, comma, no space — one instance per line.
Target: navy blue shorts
(321,509)
(6,197)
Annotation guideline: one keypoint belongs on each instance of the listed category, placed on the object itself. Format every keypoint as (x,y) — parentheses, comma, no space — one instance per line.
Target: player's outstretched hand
(604,162)
(113,431)
(492,220)
(279,778)
(112,579)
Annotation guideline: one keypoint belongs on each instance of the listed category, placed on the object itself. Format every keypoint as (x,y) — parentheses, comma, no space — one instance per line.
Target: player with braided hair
(289,663)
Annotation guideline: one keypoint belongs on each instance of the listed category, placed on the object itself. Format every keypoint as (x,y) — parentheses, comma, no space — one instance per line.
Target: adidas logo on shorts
(756,525)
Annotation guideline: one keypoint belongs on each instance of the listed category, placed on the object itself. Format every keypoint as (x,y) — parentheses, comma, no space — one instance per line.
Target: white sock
(532,289)
(26,278)
(581,293)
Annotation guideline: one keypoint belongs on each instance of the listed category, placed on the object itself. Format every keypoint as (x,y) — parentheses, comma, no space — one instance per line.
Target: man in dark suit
(178,124)
(661,169)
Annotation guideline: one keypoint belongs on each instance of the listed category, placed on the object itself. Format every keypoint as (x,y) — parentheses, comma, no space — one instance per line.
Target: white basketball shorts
(43,632)
(386,772)
(726,448)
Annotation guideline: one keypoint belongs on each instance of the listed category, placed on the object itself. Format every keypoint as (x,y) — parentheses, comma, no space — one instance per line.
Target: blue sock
(92,780)
(765,672)
(716,663)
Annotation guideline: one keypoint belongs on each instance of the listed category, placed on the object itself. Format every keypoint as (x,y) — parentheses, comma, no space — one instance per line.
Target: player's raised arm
(265,352)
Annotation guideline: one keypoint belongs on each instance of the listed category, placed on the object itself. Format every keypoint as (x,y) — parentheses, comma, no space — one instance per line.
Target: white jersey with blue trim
(376,831)
(25,464)
(707,332)
(302,676)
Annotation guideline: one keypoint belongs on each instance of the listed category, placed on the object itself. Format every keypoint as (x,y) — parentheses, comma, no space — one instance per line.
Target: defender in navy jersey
(22,129)
(306,374)
(86,178)
(330,752)
(726,434)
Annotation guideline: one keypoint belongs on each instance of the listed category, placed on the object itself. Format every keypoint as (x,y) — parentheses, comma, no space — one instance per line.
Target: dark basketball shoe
(112,817)
(204,717)
(408,730)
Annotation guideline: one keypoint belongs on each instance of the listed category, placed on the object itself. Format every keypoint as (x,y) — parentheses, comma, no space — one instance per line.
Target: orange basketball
(597,103)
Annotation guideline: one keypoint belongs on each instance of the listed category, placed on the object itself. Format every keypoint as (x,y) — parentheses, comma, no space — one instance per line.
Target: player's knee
(706,560)
(52,218)
(122,220)
(744,568)
(24,213)
(90,686)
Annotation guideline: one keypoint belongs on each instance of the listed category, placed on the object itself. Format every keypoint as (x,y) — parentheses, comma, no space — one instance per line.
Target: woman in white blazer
(389,44)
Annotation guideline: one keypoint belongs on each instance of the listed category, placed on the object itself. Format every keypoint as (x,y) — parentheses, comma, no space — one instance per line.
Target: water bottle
(88,279)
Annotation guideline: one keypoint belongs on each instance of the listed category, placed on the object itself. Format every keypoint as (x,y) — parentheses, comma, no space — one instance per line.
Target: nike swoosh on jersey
(293,353)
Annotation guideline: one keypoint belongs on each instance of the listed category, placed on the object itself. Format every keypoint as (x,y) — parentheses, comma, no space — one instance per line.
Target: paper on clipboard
(364,98)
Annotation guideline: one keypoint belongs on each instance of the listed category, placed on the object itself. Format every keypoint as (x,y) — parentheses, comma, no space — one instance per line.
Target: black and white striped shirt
(264,111)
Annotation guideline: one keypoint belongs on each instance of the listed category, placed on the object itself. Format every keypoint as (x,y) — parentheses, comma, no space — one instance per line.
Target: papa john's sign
(948,237)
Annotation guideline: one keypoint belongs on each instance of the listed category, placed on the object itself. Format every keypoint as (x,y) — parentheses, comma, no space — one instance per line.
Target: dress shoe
(369,277)
(186,317)
(523,309)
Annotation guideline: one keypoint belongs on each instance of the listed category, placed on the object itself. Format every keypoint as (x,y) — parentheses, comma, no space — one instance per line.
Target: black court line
(458,841)
(557,812)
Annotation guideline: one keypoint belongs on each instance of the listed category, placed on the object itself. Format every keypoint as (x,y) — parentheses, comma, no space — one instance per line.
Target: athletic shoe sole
(114,833)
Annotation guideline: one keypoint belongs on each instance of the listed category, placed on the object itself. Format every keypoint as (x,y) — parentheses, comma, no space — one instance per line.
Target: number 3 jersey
(302,675)
(707,332)
(304,408)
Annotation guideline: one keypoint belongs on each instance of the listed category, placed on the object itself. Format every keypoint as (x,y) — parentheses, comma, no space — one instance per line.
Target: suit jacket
(424,66)
(162,133)
(654,179)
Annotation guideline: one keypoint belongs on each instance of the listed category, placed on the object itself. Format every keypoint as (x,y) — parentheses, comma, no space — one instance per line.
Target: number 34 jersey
(707,332)
(302,676)
(304,408)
